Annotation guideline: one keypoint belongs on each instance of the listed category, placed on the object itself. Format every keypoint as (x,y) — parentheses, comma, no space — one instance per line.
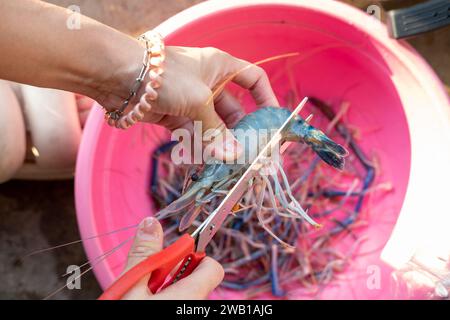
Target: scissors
(189,249)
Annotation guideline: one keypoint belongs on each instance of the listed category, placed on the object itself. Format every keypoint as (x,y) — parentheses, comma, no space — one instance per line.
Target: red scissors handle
(159,265)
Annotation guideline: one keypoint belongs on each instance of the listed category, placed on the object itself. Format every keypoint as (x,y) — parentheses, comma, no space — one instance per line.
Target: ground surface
(34,215)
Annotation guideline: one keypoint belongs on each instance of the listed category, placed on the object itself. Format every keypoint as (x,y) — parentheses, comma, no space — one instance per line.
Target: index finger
(255,79)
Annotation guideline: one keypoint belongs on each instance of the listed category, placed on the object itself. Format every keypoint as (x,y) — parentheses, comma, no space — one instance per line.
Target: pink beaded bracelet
(154,57)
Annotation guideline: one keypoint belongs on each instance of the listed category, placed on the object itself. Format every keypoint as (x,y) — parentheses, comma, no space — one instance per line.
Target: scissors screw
(211,228)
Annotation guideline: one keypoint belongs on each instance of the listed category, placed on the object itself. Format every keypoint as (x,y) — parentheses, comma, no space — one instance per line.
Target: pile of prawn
(282,235)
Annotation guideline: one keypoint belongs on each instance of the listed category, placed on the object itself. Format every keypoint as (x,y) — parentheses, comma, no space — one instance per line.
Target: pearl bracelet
(153,60)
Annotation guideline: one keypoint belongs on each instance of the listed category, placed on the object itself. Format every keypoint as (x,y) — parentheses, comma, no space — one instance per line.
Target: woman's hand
(192,76)
(192,90)
(198,285)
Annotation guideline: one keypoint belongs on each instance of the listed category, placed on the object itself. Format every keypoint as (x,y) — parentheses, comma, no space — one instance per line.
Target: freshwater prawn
(215,179)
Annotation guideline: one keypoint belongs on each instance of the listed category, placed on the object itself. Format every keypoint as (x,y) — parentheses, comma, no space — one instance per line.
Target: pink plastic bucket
(345,55)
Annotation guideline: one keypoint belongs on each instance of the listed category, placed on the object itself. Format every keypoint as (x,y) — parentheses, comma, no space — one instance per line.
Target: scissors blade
(211,225)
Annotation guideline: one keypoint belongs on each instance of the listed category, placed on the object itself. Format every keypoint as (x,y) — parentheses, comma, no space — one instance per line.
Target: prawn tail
(328,150)
(181,203)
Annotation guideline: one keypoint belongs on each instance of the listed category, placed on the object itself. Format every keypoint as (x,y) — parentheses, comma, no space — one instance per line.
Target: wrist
(151,70)
(115,71)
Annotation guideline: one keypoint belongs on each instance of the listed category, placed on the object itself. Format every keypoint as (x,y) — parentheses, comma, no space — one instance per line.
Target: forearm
(38,48)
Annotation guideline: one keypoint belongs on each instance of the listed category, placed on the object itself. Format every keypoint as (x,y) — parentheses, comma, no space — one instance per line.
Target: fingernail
(148,229)
(233,148)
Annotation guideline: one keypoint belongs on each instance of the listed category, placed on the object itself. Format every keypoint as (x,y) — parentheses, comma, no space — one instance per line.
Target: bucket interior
(336,63)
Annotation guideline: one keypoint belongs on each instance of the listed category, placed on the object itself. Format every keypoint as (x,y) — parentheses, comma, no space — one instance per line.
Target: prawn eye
(194,177)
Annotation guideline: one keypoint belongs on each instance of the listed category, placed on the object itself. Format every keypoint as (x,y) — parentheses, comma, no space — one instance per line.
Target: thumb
(218,140)
(198,285)
(148,241)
